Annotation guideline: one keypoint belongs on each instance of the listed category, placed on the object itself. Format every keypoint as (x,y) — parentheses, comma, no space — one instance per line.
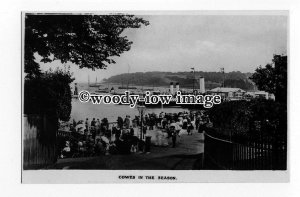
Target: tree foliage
(273,78)
(49,94)
(185,79)
(238,118)
(89,41)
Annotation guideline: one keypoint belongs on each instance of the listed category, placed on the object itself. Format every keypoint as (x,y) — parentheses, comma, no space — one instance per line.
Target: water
(81,111)
(166,89)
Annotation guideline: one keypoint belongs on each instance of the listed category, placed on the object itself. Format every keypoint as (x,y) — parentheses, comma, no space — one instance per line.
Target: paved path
(187,155)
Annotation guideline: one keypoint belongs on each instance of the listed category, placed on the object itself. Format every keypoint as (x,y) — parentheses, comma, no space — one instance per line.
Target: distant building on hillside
(228,93)
(260,94)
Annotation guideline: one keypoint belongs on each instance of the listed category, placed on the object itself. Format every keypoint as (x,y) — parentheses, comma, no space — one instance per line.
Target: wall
(39,141)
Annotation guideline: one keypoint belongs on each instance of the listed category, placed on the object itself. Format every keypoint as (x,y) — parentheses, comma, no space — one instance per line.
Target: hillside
(185,79)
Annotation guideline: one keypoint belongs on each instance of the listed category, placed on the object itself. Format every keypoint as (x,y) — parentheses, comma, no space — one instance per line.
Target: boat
(75,96)
(148,89)
(102,90)
(75,93)
(96,85)
(129,87)
(118,93)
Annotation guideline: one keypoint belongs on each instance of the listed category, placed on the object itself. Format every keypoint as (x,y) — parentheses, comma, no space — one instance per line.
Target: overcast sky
(206,42)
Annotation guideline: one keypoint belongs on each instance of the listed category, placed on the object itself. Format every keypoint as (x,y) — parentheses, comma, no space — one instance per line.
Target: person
(120,122)
(151,123)
(159,119)
(126,122)
(129,121)
(189,127)
(146,119)
(80,148)
(164,123)
(174,135)
(180,119)
(197,122)
(192,116)
(173,124)
(90,146)
(201,127)
(97,125)
(99,148)
(87,124)
(184,123)
(117,133)
(66,152)
(131,131)
(144,131)
(104,126)
(93,123)
(122,144)
(74,123)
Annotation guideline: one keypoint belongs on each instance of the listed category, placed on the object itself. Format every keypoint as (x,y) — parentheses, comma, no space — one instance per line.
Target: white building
(260,94)
(228,93)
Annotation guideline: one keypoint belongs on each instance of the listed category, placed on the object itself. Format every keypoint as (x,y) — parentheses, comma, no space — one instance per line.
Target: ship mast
(223,72)
(128,77)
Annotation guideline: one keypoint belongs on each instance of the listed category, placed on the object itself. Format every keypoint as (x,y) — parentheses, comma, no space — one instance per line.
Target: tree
(273,78)
(89,41)
(49,94)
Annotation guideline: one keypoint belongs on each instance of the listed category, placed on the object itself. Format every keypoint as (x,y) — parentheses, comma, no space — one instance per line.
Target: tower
(202,85)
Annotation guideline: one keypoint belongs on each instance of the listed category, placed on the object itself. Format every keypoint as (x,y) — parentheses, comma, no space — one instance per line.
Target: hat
(173,124)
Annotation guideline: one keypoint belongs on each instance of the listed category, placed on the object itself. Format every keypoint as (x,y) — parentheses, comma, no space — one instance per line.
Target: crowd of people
(126,135)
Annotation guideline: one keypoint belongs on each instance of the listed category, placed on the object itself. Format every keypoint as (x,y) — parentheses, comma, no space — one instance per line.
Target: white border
(182,176)
(111,176)
(10,115)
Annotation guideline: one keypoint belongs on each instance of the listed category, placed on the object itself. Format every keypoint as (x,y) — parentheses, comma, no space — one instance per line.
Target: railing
(263,154)
(61,133)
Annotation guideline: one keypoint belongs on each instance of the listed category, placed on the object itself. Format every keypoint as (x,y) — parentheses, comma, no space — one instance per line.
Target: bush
(246,118)
(49,93)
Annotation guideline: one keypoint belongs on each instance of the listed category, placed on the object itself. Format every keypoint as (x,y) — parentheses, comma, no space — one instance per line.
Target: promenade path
(187,155)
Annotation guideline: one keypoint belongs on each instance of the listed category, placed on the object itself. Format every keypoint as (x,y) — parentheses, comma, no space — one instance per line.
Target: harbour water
(81,111)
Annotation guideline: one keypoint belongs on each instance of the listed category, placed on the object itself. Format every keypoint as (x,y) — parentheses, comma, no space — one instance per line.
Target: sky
(205,42)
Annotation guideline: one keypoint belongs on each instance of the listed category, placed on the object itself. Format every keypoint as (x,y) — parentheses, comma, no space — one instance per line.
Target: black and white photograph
(156,92)
(149,98)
